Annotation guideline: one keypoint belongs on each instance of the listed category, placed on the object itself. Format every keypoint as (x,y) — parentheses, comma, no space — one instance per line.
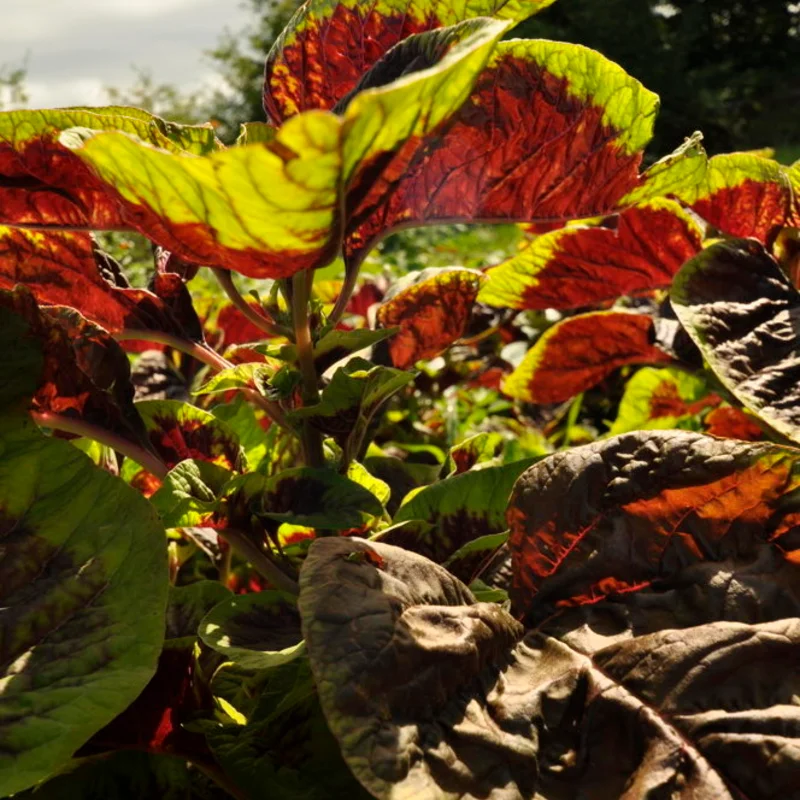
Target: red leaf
(579,352)
(731,423)
(580,266)
(62,268)
(431,313)
(86,375)
(527,146)
(615,516)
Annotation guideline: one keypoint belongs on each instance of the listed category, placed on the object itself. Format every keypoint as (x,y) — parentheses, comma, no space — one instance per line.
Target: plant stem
(259,559)
(350,277)
(150,461)
(301,290)
(207,355)
(259,320)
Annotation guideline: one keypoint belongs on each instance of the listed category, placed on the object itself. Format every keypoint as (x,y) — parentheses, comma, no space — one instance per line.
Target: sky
(73,48)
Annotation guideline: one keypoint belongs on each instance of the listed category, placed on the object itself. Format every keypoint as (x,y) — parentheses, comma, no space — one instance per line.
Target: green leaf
(83,592)
(362,476)
(661,398)
(483,544)
(187,607)
(189,492)
(255,631)
(337,344)
(478,449)
(43,184)
(351,400)
(255,133)
(460,509)
(243,376)
(318,498)
(240,417)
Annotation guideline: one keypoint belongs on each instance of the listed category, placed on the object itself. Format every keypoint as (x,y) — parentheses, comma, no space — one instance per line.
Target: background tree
(730,69)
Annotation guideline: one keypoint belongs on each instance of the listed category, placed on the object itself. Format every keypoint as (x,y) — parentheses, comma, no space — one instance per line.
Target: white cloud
(76,48)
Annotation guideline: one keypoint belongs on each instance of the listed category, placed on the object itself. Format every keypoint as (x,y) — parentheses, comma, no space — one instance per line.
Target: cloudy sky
(74,48)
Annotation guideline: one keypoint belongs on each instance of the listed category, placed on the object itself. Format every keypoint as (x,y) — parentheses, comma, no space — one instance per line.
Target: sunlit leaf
(661,398)
(478,449)
(744,195)
(271,209)
(255,631)
(63,268)
(178,431)
(579,352)
(328,45)
(586,265)
(732,423)
(243,376)
(43,184)
(741,310)
(629,513)
(266,210)
(431,309)
(240,417)
(551,131)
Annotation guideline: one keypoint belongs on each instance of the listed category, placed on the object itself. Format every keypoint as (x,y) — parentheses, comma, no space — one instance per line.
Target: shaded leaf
(337,344)
(431,309)
(255,631)
(586,265)
(741,311)
(351,400)
(458,510)
(61,268)
(631,512)
(187,607)
(43,184)
(433,695)
(302,496)
(85,375)
(188,494)
(83,588)
(577,353)
(661,398)
(328,46)
(286,749)
(744,195)
(178,431)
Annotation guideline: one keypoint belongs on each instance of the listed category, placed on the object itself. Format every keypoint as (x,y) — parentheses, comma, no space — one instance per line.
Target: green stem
(58,422)
(301,290)
(261,562)
(259,320)
(208,356)
(351,271)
